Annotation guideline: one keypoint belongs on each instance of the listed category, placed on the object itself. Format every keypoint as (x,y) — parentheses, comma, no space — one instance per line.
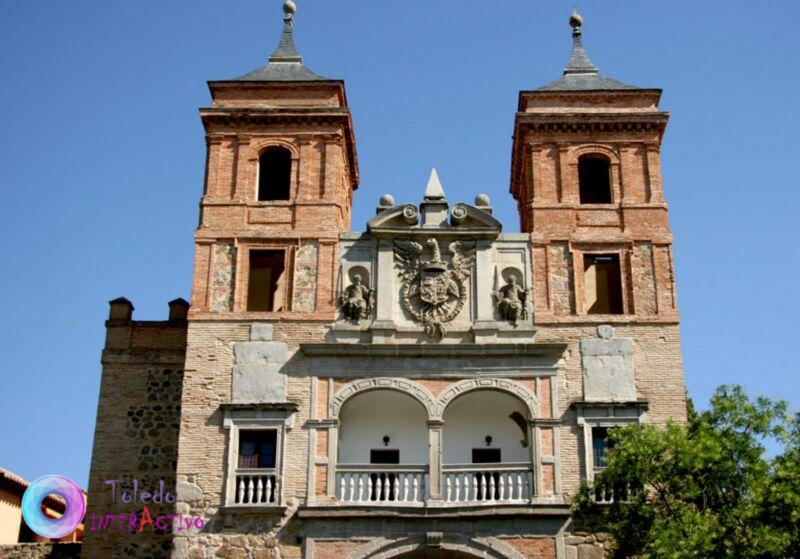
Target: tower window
(594,178)
(266,287)
(274,174)
(602,284)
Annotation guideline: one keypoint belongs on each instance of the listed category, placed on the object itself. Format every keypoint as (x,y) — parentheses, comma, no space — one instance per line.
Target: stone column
(435,428)
(333,457)
(536,458)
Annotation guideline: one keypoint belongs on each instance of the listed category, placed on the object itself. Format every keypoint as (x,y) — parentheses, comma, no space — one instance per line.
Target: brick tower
(586,175)
(281,171)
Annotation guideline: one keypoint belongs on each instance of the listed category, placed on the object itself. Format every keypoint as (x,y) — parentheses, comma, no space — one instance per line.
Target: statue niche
(511,300)
(357,300)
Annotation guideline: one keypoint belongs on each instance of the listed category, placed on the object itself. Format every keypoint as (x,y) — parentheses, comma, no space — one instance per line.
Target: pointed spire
(286,51)
(579,62)
(285,64)
(434,190)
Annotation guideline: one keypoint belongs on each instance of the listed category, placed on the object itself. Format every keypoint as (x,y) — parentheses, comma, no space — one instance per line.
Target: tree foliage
(705,489)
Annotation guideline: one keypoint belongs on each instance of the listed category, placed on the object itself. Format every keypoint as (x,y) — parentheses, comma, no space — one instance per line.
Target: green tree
(705,489)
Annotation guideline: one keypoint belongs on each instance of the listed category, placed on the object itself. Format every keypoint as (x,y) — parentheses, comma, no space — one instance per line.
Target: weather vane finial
(289,8)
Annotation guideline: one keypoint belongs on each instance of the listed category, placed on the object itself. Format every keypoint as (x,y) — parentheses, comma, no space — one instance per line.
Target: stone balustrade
(495,483)
(382,485)
(257,487)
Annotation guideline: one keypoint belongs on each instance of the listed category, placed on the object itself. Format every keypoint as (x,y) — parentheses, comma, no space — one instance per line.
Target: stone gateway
(431,386)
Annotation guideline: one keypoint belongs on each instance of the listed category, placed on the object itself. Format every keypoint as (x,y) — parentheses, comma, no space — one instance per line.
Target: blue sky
(102,154)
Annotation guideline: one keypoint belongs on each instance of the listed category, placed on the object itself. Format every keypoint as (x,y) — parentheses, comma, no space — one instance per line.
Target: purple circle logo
(40,523)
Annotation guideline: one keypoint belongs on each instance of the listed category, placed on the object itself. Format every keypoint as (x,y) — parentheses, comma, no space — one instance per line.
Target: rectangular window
(266,286)
(486,456)
(257,448)
(384,456)
(602,284)
(601,445)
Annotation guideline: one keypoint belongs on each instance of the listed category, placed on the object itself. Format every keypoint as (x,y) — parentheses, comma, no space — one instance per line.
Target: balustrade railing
(607,494)
(382,485)
(501,483)
(256,487)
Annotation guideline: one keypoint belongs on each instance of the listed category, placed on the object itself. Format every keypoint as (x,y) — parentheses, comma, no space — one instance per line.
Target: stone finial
(575,21)
(482,201)
(178,309)
(434,190)
(120,309)
(386,201)
(289,9)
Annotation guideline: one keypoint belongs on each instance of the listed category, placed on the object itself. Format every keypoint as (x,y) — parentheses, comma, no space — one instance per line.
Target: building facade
(429,386)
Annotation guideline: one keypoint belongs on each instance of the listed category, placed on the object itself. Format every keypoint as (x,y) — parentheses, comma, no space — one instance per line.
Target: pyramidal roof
(581,74)
(285,64)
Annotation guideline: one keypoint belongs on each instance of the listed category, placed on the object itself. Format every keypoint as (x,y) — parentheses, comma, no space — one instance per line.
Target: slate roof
(581,74)
(285,64)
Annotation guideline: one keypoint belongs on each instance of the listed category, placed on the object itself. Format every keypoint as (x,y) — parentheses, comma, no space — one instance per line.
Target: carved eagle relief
(433,292)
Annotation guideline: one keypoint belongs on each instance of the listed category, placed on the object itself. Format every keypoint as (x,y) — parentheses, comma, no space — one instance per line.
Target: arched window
(594,178)
(274,174)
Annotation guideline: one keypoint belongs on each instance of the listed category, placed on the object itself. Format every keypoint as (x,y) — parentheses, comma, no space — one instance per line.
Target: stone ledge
(425,513)
(247,509)
(174,357)
(638,404)
(433,350)
(279,406)
(41,551)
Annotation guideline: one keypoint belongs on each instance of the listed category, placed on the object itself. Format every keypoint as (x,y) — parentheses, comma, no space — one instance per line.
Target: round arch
(478,548)
(597,149)
(259,145)
(411,388)
(511,387)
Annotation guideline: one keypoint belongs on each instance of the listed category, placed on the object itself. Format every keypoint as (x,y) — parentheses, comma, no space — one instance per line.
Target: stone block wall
(203,446)
(136,434)
(41,551)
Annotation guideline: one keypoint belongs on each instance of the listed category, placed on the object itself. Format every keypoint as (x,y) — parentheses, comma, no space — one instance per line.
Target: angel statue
(357,299)
(511,300)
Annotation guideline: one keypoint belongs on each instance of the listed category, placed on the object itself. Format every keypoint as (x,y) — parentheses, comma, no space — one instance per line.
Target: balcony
(392,453)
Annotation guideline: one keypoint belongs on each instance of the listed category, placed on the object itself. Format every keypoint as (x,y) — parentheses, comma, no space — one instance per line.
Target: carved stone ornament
(511,300)
(357,300)
(433,292)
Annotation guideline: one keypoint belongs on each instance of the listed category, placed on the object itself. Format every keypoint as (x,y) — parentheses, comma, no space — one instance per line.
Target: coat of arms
(433,292)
